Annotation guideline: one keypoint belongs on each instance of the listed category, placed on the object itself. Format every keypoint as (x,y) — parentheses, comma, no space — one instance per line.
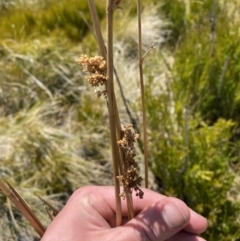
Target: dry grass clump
(40,69)
(154,24)
(35,143)
(126,51)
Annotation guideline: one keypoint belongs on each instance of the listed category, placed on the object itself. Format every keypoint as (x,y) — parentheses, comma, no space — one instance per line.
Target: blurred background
(54,135)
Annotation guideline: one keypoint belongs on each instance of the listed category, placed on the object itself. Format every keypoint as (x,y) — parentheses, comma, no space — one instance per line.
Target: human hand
(89,215)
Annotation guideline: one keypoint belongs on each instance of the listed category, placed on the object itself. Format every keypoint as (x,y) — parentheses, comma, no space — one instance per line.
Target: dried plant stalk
(98,68)
(22,206)
(144,120)
(111,105)
(97,29)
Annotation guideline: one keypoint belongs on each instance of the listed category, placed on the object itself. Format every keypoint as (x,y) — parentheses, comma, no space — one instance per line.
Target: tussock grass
(29,19)
(36,70)
(154,28)
(46,157)
(48,126)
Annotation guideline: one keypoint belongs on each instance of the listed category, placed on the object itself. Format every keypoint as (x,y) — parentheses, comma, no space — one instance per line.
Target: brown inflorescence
(130,178)
(97,67)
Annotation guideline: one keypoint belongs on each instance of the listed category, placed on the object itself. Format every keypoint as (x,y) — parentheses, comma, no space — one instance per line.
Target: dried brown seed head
(97,68)
(130,179)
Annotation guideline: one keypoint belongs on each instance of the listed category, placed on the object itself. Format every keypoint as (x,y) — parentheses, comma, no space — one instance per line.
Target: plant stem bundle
(101,69)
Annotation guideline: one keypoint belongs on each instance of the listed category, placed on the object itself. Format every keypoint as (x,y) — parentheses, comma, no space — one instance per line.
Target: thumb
(158,222)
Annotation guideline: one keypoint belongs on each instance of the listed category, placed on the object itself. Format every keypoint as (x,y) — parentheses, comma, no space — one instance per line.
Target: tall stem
(97,28)
(111,105)
(140,59)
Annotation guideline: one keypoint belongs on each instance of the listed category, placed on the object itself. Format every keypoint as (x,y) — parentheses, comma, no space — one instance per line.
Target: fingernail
(173,216)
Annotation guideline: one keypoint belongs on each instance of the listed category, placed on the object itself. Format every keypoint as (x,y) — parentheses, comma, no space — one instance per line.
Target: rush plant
(101,69)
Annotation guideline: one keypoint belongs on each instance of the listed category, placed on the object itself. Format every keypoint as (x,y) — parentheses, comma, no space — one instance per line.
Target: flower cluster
(130,178)
(97,67)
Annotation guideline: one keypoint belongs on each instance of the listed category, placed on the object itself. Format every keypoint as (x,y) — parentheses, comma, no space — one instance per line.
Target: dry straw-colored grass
(44,157)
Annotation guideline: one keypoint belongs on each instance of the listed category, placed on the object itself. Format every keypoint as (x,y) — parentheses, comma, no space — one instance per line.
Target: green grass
(59,18)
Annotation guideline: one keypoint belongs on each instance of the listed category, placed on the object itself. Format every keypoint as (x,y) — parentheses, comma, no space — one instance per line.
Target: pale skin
(89,215)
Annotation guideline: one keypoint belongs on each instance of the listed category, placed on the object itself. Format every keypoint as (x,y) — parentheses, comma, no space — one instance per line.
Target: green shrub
(193,118)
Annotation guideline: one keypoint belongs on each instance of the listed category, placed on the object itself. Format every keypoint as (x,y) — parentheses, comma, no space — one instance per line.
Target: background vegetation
(54,133)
